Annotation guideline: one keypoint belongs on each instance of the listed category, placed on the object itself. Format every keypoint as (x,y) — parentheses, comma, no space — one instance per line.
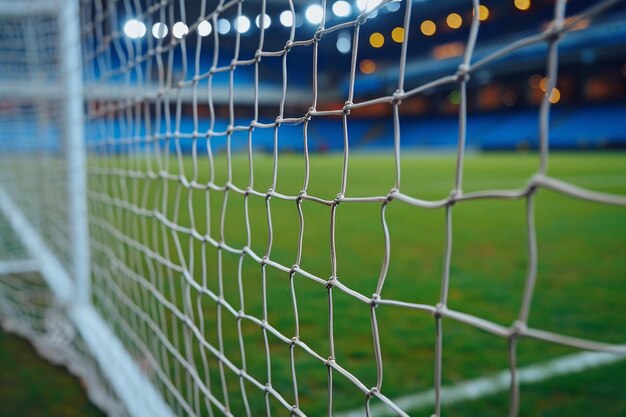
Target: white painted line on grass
(493,384)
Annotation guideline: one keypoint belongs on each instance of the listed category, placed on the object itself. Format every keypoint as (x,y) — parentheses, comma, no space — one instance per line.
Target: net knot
(240,314)
(268,194)
(293,269)
(257,55)
(371,393)
(264,260)
(330,361)
(331,282)
(462,73)
(301,195)
(374,301)
(454,195)
(392,193)
(338,199)
(268,387)
(319,33)
(396,98)
(517,329)
(346,107)
(288,46)
(553,34)
(295,340)
(439,310)
(362,18)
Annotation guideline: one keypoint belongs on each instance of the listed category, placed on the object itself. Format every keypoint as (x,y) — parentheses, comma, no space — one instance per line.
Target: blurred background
(175,67)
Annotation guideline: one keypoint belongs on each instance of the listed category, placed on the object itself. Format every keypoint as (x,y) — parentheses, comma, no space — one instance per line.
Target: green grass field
(580,288)
(32,387)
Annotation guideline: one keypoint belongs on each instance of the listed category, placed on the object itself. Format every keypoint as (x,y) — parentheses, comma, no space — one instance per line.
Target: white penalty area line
(481,387)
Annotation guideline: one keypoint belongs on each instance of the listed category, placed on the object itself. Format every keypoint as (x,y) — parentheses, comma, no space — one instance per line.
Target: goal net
(173,231)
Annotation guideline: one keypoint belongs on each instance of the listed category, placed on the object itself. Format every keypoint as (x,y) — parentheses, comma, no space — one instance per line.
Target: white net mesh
(33,149)
(222,271)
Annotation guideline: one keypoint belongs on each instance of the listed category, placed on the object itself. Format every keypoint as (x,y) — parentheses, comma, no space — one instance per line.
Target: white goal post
(114,209)
(68,281)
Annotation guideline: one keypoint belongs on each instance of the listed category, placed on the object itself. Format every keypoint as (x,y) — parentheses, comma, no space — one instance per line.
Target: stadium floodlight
(342,8)
(179,30)
(286,18)
(134,29)
(159,30)
(267,21)
(392,6)
(242,24)
(223,26)
(314,14)
(204,28)
(367,5)
(344,42)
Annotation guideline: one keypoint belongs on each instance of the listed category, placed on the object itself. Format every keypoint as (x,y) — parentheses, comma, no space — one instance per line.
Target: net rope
(170,92)
(136,244)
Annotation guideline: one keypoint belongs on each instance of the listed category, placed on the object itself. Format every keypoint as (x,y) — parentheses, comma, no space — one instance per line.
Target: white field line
(481,387)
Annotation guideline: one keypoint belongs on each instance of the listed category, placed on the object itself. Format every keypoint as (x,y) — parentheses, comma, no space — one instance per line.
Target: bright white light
(372,4)
(367,5)
(204,28)
(286,18)
(179,30)
(223,26)
(342,8)
(159,30)
(394,6)
(266,22)
(343,42)
(134,29)
(314,14)
(242,24)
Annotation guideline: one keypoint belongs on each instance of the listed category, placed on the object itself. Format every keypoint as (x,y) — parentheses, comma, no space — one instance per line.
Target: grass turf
(32,387)
(581,264)
(580,287)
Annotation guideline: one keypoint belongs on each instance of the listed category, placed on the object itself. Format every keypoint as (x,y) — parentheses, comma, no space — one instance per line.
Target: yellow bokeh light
(397,34)
(483,12)
(367,66)
(428,27)
(454,20)
(555,96)
(522,4)
(377,40)
(544,84)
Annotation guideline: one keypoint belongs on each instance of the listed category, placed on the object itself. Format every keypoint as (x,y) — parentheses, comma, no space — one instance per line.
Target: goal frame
(71,287)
